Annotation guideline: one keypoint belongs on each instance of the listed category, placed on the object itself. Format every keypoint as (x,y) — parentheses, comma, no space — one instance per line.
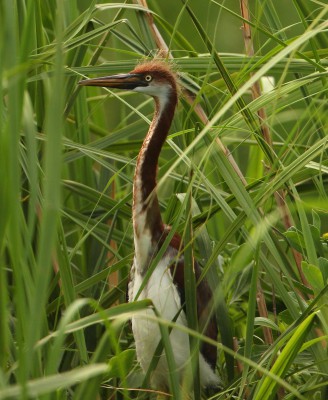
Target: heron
(165,287)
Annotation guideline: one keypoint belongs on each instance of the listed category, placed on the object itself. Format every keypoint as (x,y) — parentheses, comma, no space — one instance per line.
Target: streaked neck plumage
(147,220)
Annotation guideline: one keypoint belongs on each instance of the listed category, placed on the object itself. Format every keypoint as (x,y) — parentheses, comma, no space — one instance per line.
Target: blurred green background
(67,158)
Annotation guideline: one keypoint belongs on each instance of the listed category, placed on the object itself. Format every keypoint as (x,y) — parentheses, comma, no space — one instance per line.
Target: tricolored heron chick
(166,285)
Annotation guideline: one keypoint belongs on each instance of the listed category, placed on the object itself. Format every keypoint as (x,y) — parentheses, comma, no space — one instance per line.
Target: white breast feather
(165,297)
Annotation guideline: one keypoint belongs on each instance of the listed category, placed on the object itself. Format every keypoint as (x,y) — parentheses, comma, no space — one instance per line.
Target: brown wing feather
(204,299)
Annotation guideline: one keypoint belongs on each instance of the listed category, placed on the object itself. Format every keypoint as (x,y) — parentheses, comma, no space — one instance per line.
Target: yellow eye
(148,78)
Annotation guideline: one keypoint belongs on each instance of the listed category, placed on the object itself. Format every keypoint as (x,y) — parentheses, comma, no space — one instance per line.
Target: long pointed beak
(121,81)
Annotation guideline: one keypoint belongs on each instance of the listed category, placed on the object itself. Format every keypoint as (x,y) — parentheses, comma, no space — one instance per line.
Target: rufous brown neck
(146,212)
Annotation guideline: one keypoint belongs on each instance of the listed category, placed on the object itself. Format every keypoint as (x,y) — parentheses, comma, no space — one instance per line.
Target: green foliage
(254,215)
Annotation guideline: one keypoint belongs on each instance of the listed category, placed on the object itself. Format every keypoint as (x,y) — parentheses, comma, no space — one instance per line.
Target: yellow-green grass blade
(267,387)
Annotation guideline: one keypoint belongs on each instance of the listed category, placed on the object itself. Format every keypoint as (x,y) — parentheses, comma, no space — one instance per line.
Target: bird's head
(154,78)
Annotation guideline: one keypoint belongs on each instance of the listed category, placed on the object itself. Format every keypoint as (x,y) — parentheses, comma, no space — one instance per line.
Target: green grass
(253,211)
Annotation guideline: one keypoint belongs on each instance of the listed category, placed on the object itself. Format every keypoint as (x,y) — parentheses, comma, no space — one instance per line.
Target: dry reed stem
(263,311)
(162,46)
(280,196)
(256,92)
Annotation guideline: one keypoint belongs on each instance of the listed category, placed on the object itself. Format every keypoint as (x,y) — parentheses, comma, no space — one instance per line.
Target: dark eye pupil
(148,78)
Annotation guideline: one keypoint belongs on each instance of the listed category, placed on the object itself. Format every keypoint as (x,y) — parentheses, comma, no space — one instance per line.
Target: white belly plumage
(165,297)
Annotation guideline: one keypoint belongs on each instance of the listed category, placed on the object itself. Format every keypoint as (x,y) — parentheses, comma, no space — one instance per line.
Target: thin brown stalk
(280,196)
(239,365)
(113,278)
(162,46)
(263,311)
(160,42)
